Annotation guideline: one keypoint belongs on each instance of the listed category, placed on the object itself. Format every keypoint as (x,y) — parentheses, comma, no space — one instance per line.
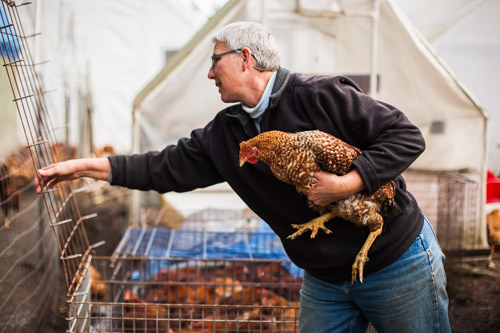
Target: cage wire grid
(449,201)
(138,294)
(42,144)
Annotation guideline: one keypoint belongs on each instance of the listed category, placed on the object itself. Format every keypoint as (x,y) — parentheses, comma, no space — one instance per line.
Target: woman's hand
(331,187)
(49,176)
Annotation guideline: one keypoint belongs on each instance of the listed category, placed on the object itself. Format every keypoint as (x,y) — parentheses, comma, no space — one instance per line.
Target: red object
(492,188)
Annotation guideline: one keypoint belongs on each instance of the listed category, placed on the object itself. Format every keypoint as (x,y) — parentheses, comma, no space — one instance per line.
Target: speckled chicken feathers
(294,157)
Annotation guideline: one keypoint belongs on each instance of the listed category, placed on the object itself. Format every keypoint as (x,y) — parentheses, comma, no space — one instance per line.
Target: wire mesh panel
(42,144)
(451,203)
(424,186)
(173,318)
(29,265)
(189,295)
(460,228)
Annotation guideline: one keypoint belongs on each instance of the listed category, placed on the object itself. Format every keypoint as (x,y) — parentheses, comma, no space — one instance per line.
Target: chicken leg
(371,219)
(314,225)
(362,256)
(491,262)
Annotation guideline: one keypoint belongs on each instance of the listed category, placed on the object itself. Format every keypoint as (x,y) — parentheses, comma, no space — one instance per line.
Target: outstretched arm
(97,168)
(331,187)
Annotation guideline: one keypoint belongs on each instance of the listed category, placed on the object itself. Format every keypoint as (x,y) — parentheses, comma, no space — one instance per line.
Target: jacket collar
(282,77)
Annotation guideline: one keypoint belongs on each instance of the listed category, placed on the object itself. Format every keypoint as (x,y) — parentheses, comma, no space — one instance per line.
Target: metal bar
(61,222)
(247,243)
(93,246)
(72,256)
(139,241)
(6,26)
(204,242)
(170,243)
(150,242)
(13,63)
(38,143)
(89,216)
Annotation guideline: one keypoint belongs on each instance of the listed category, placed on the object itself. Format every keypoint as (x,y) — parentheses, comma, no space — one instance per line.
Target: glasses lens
(217,57)
(214,61)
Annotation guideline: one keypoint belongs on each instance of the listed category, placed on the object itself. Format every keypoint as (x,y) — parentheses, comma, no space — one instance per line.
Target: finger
(39,183)
(42,179)
(52,182)
(48,170)
(320,174)
(35,181)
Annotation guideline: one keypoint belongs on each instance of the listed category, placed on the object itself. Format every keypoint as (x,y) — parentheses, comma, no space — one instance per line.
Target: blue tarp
(169,243)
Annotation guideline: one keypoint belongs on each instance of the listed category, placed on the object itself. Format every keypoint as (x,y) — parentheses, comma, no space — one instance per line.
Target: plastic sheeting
(190,244)
(410,76)
(434,18)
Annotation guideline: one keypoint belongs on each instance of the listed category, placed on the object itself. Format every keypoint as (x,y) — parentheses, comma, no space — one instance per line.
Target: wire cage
(186,295)
(29,267)
(190,281)
(462,231)
(451,203)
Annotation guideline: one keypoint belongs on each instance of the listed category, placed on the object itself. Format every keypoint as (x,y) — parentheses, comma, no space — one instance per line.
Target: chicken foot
(362,256)
(375,224)
(314,225)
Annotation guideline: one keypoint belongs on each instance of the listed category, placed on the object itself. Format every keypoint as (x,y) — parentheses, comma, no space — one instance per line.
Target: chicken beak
(242,161)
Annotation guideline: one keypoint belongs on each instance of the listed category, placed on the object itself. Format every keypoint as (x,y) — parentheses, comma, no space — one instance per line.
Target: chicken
(285,311)
(276,272)
(98,289)
(245,296)
(293,158)
(141,316)
(105,151)
(493,229)
(16,173)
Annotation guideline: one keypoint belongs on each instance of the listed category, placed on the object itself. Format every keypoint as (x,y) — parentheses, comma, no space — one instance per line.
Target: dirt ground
(474,292)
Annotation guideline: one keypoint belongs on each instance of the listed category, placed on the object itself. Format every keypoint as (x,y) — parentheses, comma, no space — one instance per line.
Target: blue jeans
(407,296)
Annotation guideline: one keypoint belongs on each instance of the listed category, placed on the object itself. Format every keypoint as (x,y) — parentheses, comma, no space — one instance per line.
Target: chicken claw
(362,256)
(314,225)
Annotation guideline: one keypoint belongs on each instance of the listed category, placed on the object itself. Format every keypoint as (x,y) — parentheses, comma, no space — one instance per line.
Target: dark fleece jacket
(390,143)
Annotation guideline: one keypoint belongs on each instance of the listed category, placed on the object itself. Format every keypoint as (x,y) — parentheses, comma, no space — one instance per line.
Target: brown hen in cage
(192,295)
(16,175)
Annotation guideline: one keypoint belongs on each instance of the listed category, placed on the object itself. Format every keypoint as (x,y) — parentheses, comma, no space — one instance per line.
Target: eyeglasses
(217,57)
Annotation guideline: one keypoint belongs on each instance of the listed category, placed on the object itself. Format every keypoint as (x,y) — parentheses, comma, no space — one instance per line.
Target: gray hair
(257,38)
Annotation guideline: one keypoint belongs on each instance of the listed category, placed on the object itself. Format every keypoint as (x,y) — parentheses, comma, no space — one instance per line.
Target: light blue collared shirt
(257,112)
